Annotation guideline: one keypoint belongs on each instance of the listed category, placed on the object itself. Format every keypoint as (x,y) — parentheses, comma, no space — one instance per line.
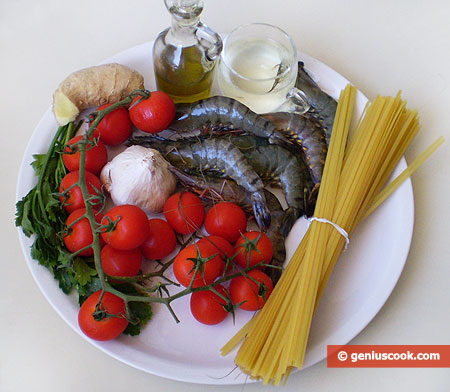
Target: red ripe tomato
(79,234)
(254,250)
(208,272)
(121,262)
(130,227)
(227,220)
(153,114)
(209,308)
(96,156)
(186,213)
(115,127)
(161,240)
(222,246)
(74,199)
(109,327)
(245,289)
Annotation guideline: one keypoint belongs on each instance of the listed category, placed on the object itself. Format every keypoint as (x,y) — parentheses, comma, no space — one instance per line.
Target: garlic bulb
(139,176)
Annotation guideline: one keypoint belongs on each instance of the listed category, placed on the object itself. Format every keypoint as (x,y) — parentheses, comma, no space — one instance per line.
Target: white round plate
(361,283)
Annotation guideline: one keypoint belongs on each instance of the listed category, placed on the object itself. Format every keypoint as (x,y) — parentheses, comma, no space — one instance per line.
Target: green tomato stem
(96,228)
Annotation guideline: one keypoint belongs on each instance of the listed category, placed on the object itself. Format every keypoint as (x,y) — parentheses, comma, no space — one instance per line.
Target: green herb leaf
(38,163)
(141,312)
(23,211)
(83,272)
(85,291)
(64,276)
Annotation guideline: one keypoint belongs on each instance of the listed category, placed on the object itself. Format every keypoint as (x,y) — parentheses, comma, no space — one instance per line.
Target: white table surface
(381,46)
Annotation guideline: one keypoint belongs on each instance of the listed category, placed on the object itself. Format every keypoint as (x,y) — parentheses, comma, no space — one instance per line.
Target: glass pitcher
(258,67)
(185,54)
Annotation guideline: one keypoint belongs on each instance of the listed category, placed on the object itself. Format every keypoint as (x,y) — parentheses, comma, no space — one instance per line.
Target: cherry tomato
(260,251)
(130,227)
(223,247)
(79,235)
(227,220)
(208,272)
(186,213)
(252,294)
(161,240)
(209,308)
(109,327)
(115,127)
(121,262)
(153,114)
(96,156)
(74,199)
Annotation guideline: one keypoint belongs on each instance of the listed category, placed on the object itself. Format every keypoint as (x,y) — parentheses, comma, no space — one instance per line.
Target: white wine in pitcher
(258,71)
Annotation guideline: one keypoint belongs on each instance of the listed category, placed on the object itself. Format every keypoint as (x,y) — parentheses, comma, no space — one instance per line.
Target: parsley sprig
(40,213)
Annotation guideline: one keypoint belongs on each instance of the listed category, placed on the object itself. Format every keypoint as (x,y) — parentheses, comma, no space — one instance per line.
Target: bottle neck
(183,26)
(185,13)
(182,31)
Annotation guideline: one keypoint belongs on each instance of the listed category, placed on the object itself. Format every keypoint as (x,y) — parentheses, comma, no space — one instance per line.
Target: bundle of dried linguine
(275,339)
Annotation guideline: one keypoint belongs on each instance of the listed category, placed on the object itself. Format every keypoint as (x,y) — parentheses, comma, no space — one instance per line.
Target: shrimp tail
(260,210)
(289,218)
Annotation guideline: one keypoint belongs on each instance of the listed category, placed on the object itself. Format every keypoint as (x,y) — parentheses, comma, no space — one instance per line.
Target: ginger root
(93,86)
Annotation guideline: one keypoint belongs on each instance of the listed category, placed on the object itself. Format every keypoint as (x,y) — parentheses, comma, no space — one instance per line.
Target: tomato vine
(32,210)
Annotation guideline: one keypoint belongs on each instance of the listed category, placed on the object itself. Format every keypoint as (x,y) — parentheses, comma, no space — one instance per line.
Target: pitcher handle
(296,102)
(209,40)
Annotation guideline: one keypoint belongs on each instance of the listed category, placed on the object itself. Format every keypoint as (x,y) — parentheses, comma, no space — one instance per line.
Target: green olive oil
(185,54)
(182,75)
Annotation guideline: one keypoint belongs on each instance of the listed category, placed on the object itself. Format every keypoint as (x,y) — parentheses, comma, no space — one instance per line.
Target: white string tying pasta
(336,226)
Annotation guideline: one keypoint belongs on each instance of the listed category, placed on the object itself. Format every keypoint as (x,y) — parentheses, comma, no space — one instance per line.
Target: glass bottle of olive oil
(185,54)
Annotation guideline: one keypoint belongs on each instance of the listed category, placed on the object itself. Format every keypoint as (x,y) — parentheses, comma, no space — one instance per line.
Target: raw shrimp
(217,155)
(306,133)
(323,107)
(280,168)
(273,164)
(218,114)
